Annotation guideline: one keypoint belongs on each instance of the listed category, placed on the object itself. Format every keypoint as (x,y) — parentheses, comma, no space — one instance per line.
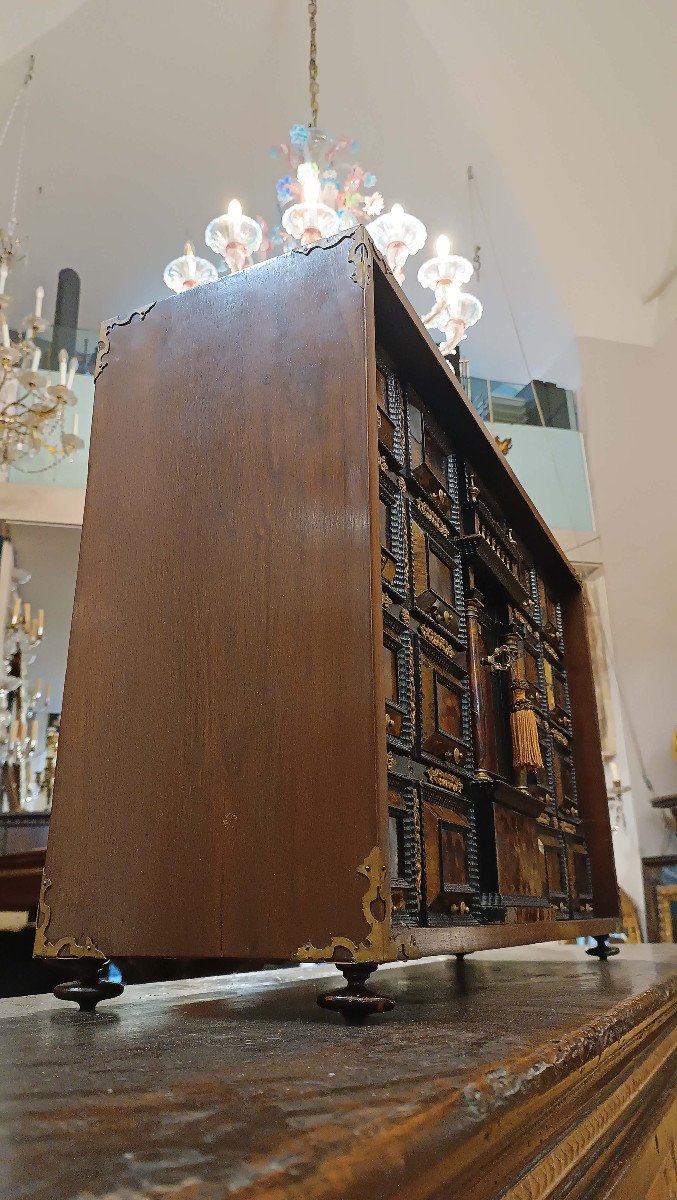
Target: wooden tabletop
(240,1086)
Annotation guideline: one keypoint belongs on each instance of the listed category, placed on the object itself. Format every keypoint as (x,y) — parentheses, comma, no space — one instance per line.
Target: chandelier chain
(19,164)
(22,87)
(313,84)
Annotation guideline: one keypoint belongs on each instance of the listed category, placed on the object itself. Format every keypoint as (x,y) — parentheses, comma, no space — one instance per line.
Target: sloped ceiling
(146,118)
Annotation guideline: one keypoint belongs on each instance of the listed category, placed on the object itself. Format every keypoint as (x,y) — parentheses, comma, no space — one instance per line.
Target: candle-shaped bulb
(27,616)
(34,730)
(16,611)
(72,368)
(442,246)
(397,212)
(234,210)
(309,179)
(35,361)
(188,248)
(63,366)
(613,769)
(41,621)
(5,335)
(39,297)
(4,272)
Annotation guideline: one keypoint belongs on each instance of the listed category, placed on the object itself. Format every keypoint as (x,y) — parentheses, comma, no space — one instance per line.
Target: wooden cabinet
(314,611)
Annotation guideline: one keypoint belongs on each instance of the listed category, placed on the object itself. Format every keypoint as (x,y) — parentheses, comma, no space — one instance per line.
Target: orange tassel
(526,748)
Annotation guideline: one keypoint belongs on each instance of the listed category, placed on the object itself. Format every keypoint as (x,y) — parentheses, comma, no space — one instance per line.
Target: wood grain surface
(527,1074)
(217,779)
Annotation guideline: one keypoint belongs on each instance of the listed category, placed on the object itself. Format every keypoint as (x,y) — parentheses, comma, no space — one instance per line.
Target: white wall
(51,555)
(629,418)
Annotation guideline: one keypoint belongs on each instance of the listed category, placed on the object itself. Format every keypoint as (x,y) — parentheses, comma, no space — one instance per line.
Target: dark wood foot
(356,1002)
(91,986)
(602,950)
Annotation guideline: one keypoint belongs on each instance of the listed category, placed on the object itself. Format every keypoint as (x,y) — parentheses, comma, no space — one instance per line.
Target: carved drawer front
(564,780)
(429,455)
(521,872)
(580,877)
(404,851)
(444,708)
(450,857)
(557,693)
(553,857)
(435,578)
(539,781)
(531,665)
(549,613)
(391,525)
(397,672)
(390,414)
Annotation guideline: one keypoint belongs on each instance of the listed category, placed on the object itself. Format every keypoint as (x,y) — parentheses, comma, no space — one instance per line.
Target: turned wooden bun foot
(602,950)
(356,1002)
(92,986)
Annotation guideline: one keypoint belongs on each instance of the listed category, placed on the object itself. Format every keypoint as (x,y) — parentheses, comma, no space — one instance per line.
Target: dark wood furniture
(328,692)
(20,880)
(525,1074)
(23,844)
(21,832)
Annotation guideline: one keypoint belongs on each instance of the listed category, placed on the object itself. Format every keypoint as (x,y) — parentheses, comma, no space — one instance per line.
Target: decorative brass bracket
(379,946)
(107,328)
(66,947)
(360,253)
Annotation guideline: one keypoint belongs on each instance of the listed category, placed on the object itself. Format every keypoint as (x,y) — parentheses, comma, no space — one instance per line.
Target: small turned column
(91,986)
(356,1002)
(602,950)
(480,709)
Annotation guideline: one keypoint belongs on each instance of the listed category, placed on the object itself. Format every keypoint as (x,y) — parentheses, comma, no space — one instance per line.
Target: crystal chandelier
(32,409)
(454,311)
(323,192)
(398,235)
(20,704)
(188,271)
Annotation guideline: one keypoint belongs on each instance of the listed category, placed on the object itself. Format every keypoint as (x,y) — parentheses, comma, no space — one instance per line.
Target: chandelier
(32,408)
(322,192)
(21,707)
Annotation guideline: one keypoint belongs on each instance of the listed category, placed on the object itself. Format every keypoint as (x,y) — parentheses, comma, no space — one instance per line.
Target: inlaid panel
(397,668)
(520,869)
(579,874)
(443,729)
(435,578)
(450,856)
(404,846)
(429,451)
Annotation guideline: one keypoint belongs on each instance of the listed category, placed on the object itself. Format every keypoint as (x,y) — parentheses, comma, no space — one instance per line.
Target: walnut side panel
(217,780)
(592,801)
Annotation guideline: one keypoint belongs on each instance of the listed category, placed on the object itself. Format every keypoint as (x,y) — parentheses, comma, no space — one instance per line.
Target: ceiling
(146,118)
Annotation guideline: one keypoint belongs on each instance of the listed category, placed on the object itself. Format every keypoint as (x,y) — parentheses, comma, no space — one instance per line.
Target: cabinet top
(190,1085)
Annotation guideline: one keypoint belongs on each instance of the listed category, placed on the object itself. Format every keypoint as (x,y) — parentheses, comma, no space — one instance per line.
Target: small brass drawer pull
(460,908)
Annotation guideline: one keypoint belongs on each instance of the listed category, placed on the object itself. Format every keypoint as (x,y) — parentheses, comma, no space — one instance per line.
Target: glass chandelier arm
(435,311)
